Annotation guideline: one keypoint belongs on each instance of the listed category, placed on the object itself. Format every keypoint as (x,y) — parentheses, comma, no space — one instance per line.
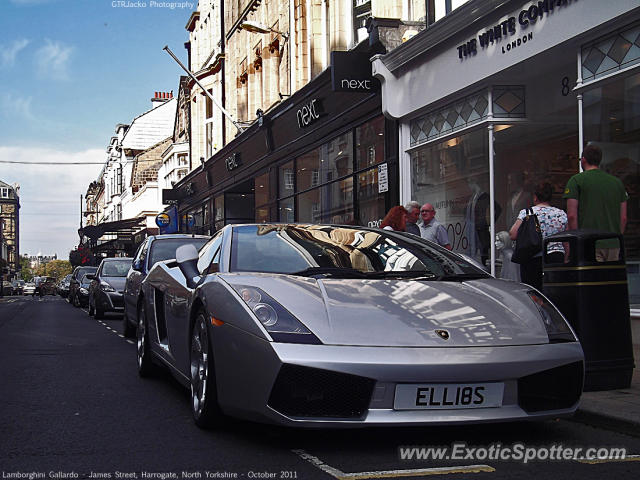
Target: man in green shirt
(596,200)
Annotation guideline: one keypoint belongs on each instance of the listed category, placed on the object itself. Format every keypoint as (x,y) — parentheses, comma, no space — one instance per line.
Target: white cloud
(15,106)
(50,195)
(52,60)
(9,53)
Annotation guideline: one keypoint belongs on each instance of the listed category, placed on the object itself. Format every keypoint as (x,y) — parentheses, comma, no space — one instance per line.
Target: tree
(58,268)
(25,268)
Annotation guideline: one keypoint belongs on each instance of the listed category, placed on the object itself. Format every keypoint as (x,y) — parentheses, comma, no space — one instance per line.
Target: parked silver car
(154,249)
(341,326)
(107,286)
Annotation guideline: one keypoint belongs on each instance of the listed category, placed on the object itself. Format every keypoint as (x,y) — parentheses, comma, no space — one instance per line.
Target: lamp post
(255,27)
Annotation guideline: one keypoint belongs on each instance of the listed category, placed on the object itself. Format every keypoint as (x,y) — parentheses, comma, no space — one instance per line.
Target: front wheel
(204,398)
(145,364)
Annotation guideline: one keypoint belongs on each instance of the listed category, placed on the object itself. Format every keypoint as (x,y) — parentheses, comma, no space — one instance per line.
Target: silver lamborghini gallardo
(318,325)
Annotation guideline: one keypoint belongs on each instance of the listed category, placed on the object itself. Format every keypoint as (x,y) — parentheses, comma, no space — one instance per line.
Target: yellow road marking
(628,458)
(418,472)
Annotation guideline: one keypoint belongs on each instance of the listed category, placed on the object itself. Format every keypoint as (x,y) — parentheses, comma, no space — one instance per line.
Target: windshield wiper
(336,272)
(461,277)
(412,274)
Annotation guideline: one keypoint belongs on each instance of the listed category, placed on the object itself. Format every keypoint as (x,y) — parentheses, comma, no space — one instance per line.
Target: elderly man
(431,229)
(413,213)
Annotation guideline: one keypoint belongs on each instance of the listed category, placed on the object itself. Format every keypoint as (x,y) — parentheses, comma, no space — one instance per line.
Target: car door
(134,282)
(178,306)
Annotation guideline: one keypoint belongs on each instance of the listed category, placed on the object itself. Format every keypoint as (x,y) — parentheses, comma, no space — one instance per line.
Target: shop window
(611,53)
(286,179)
(326,163)
(361,12)
(219,212)
(331,203)
(262,189)
(286,212)
(453,176)
(446,120)
(611,119)
(370,143)
(371,204)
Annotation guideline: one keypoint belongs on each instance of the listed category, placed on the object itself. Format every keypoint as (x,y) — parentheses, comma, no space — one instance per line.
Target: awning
(123,227)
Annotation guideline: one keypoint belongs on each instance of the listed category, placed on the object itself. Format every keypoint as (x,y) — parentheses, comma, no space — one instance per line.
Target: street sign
(163,220)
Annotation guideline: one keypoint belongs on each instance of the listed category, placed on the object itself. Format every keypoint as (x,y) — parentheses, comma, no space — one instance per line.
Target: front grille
(554,389)
(311,392)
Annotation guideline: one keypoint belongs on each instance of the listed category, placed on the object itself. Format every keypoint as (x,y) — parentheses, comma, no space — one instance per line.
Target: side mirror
(187,259)
(137,265)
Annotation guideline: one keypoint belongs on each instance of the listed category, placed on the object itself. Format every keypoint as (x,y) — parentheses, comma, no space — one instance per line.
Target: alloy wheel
(199,367)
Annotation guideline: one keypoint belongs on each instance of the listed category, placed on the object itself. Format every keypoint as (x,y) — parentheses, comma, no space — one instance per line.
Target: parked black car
(81,298)
(107,286)
(154,249)
(74,283)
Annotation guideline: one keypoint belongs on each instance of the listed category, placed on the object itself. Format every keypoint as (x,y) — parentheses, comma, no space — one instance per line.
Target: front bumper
(386,367)
(110,301)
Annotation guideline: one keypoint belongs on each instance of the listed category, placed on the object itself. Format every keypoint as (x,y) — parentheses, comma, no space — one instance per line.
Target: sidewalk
(617,409)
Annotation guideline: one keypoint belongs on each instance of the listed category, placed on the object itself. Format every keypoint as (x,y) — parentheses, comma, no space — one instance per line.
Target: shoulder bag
(529,240)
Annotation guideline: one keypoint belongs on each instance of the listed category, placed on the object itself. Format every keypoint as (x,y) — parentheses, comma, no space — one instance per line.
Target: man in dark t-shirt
(597,200)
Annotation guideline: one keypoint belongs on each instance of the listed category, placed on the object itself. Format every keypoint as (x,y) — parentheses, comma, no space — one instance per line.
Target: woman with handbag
(551,220)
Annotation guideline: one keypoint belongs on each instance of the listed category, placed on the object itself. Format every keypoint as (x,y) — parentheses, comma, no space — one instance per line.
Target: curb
(606,422)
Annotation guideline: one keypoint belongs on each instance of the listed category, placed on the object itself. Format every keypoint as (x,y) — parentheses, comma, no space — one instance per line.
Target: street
(73,406)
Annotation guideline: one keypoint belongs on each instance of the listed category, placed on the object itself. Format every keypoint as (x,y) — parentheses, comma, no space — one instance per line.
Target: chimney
(160,97)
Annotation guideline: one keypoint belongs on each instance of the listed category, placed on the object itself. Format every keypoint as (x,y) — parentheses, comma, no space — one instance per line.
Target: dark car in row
(107,286)
(75,283)
(81,298)
(154,249)
(63,286)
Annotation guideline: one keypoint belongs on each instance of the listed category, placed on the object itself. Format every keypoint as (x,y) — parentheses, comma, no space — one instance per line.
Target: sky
(70,71)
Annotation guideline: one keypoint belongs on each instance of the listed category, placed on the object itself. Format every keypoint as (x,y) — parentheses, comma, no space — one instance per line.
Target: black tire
(76,301)
(146,367)
(204,396)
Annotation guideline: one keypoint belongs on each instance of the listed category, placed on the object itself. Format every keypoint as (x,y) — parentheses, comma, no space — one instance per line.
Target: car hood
(406,313)
(116,282)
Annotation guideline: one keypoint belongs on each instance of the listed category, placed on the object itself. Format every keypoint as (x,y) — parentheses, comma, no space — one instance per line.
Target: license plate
(447,396)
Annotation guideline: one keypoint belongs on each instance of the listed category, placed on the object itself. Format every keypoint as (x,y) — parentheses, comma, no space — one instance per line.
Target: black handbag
(529,240)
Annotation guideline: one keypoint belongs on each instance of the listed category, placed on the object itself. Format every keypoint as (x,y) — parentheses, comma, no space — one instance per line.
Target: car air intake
(554,389)
(311,392)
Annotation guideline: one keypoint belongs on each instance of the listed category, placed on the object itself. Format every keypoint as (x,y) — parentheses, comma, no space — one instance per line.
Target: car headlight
(281,325)
(84,290)
(105,287)
(557,327)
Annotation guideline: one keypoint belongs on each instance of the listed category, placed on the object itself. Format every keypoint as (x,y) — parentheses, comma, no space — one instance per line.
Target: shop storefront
(489,110)
(323,155)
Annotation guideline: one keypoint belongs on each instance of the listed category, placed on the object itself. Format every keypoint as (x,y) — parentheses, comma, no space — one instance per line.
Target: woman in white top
(552,220)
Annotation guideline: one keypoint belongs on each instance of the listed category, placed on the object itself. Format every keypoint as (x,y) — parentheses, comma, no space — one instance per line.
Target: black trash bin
(593,296)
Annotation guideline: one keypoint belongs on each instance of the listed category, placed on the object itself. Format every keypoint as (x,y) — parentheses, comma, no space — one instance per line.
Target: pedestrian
(597,200)
(395,219)
(37,281)
(413,213)
(431,229)
(552,220)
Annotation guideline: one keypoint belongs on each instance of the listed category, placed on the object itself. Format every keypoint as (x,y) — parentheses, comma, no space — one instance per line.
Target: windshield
(165,249)
(116,268)
(310,250)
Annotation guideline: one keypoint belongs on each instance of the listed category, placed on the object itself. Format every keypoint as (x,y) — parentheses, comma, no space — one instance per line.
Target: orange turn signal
(215,322)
